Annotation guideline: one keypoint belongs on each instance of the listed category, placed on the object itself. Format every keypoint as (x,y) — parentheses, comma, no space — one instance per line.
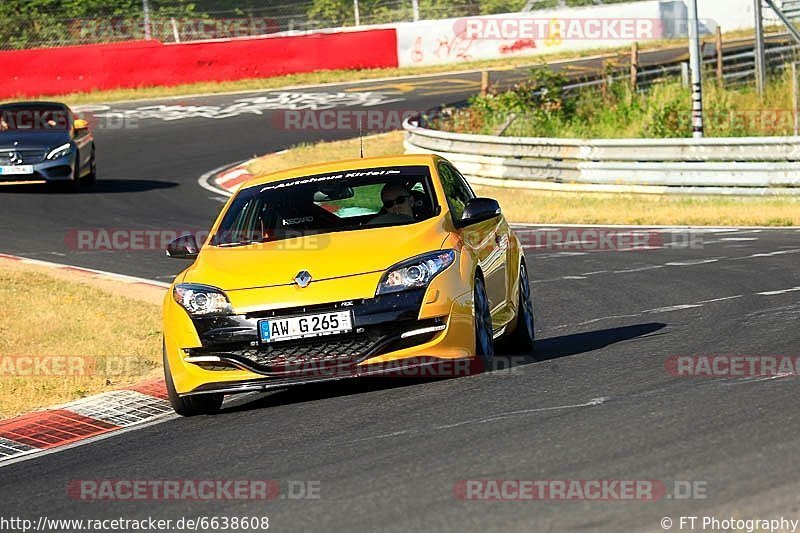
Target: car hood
(33,139)
(326,256)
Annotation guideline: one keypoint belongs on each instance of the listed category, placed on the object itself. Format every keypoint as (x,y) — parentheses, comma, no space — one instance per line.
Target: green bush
(616,111)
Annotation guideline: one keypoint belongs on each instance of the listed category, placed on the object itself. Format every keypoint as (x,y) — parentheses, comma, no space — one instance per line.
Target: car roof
(344,165)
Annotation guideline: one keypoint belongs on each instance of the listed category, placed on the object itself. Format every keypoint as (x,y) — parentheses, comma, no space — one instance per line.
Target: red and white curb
(232,178)
(226,179)
(88,418)
(83,419)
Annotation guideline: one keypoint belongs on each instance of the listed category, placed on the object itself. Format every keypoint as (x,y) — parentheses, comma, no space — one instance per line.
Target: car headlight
(61,151)
(415,273)
(201,300)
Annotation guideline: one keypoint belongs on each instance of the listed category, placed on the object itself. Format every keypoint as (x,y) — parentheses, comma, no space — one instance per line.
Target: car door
(484,238)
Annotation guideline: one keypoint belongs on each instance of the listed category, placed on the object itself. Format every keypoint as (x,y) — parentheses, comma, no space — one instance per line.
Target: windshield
(325,203)
(34,117)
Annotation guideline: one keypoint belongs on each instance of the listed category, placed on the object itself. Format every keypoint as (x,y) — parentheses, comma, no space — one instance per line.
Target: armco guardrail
(746,165)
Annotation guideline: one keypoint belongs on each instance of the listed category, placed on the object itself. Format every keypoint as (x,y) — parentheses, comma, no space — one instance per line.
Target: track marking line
(672,308)
(591,403)
(722,299)
(772,254)
(594,402)
(694,263)
(776,293)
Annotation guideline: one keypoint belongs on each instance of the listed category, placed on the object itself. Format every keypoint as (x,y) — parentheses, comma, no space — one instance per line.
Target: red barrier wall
(50,71)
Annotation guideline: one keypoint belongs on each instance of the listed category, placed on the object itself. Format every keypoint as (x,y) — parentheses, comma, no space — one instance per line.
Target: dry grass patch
(107,340)
(546,207)
(307,154)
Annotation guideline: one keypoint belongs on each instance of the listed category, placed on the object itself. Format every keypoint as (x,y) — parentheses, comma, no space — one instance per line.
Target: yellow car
(371,266)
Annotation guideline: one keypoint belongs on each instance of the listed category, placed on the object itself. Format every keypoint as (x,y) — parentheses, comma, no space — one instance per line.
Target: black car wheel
(484,341)
(189,405)
(524,334)
(91,178)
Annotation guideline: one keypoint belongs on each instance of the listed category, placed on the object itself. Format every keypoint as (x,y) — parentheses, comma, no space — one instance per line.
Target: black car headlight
(416,272)
(202,300)
(60,151)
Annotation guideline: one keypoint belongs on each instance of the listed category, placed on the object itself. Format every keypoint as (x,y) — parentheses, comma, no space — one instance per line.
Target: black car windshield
(32,117)
(325,203)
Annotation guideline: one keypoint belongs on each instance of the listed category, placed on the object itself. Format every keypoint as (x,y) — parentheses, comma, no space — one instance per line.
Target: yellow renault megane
(340,270)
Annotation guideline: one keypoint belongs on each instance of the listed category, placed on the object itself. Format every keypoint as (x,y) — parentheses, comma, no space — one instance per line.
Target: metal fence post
(146,14)
(634,65)
(761,74)
(795,99)
(697,74)
(720,58)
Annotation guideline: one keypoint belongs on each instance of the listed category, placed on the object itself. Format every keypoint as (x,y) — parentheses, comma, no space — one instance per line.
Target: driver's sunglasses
(397,201)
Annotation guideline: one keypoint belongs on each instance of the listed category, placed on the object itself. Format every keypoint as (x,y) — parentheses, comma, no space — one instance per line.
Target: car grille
(333,350)
(28,156)
(338,352)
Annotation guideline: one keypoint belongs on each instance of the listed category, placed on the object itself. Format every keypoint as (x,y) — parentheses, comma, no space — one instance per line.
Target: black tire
(90,179)
(522,340)
(484,341)
(189,405)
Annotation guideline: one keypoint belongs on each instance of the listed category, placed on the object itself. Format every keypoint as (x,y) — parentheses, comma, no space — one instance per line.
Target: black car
(45,141)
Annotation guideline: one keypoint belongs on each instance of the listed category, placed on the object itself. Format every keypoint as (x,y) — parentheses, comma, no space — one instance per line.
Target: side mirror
(81,124)
(184,247)
(479,210)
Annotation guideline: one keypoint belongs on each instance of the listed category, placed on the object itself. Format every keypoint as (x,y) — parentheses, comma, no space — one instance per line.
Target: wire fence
(51,23)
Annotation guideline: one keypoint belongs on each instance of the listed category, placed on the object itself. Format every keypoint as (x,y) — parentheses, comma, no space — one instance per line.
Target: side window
(456,190)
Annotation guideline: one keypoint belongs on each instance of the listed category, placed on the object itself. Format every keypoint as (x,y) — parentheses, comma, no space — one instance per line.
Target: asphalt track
(594,402)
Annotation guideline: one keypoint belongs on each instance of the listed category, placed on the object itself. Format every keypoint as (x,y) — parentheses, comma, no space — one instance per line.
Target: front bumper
(388,337)
(61,169)
(380,325)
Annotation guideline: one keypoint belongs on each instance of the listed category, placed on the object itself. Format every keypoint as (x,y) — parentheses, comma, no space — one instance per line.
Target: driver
(397,200)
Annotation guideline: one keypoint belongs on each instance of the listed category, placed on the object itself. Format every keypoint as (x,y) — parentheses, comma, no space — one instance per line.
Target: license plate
(304,326)
(16,170)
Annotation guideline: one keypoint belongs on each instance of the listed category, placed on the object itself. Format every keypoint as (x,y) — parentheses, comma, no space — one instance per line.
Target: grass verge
(62,339)
(569,208)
